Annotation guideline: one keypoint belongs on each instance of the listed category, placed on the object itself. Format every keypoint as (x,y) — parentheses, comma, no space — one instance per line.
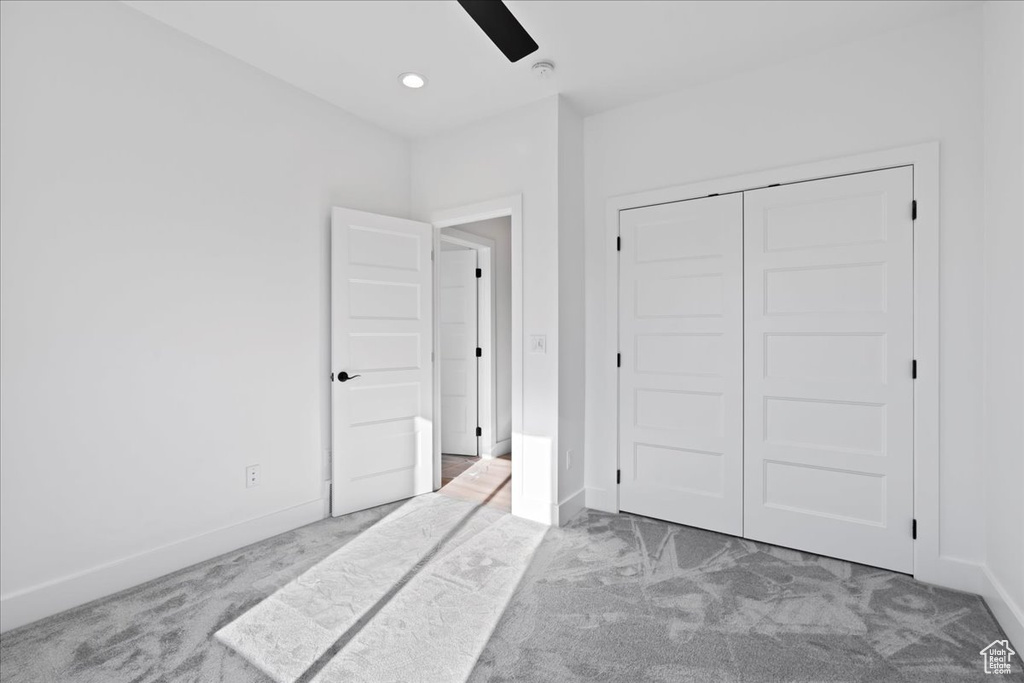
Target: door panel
(457,301)
(828,351)
(380,329)
(680,382)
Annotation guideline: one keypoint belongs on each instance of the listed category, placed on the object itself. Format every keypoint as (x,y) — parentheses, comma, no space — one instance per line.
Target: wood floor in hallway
(478,480)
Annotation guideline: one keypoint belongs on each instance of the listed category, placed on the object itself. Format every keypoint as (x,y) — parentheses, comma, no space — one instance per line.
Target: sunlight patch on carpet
(460,564)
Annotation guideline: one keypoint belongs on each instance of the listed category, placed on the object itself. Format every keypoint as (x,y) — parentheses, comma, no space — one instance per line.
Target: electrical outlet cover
(252,476)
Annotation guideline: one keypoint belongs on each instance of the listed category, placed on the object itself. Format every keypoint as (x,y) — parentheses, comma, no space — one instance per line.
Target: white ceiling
(607,53)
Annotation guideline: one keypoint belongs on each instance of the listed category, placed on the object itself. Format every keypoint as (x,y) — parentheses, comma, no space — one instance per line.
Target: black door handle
(344,376)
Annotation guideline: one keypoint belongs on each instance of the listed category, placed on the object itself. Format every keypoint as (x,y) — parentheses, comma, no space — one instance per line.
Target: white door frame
(929,563)
(511,206)
(487,417)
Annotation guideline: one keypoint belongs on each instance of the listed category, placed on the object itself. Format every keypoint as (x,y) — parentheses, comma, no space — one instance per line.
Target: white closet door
(381,341)
(680,380)
(458,311)
(828,348)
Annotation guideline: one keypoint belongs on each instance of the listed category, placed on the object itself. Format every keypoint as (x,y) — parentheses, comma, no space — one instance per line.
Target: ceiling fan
(501,26)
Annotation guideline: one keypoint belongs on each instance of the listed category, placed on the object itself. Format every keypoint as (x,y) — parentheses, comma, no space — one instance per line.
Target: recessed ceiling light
(412,80)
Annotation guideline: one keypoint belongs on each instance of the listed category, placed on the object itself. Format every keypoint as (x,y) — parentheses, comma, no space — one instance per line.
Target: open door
(457,316)
(381,345)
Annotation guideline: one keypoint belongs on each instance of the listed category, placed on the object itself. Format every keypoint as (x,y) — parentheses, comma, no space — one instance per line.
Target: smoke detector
(543,69)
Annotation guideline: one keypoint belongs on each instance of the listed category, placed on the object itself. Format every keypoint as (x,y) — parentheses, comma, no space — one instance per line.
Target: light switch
(538,344)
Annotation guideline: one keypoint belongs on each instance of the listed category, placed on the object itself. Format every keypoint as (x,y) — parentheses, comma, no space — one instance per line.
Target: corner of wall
(1003,296)
(1008,613)
(571,305)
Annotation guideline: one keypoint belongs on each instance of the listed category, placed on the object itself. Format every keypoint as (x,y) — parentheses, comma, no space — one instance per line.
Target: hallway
(486,481)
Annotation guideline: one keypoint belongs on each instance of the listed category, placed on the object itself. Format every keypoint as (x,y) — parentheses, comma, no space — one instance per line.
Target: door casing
(511,206)
(929,564)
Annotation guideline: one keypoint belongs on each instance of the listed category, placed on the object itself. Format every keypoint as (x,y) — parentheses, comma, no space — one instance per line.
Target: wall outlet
(568,459)
(252,476)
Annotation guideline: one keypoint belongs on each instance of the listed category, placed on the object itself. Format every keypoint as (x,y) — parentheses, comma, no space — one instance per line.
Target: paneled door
(457,317)
(381,341)
(681,362)
(828,353)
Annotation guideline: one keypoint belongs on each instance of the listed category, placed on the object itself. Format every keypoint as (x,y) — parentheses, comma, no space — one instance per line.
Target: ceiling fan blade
(501,27)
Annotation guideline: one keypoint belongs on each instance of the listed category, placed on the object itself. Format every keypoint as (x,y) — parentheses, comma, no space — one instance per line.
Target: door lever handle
(344,376)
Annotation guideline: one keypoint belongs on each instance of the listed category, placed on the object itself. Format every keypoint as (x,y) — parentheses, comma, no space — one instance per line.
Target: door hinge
(913,369)
(431,356)
(431,254)
(479,432)
(618,360)
(618,476)
(913,210)
(479,272)
(618,244)
(913,529)
(479,352)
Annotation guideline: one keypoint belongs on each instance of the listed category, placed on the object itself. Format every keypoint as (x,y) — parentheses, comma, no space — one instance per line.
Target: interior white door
(381,339)
(829,349)
(681,372)
(457,301)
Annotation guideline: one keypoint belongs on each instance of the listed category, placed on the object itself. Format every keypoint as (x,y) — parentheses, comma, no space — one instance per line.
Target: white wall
(571,306)
(906,87)
(164,297)
(499,230)
(1004,313)
(515,153)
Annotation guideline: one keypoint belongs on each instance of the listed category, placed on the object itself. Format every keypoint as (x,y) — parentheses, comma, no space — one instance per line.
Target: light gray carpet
(426,585)
(608,598)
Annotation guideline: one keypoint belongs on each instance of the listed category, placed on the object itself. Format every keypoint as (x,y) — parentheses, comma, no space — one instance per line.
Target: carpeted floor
(607,598)
(411,599)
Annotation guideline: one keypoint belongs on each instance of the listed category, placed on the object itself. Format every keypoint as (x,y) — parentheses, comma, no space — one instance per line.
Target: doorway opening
(473,279)
(386,408)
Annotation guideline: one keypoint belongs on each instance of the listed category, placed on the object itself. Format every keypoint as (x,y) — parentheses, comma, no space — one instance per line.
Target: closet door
(828,353)
(680,379)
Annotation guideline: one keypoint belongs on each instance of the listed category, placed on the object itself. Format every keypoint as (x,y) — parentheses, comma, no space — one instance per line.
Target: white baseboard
(951,572)
(503,447)
(569,508)
(602,499)
(31,604)
(1008,613)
